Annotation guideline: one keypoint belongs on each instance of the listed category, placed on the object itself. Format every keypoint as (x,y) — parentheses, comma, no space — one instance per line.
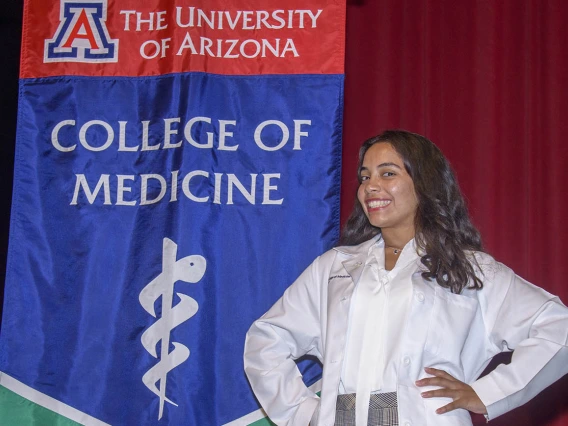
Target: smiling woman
(407,312)
(386,193)
(441,222)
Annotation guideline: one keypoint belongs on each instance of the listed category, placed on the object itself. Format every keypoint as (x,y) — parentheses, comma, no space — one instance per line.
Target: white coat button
(406,360)
(420,297)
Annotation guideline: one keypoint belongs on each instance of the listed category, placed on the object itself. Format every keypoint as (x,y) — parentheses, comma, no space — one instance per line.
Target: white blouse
(378,313)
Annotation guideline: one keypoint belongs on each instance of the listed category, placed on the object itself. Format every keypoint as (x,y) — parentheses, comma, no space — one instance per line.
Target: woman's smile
(376,204)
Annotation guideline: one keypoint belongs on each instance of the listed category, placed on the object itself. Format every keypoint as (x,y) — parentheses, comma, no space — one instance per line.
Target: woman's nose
(373,185)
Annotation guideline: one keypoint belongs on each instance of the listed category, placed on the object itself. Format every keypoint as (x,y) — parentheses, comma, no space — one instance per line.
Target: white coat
(456,333)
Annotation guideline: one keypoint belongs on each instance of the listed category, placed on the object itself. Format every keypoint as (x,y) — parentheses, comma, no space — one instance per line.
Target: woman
(408,312)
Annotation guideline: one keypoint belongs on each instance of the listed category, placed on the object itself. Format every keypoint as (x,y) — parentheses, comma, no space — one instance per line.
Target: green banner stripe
(263,422)
(16,410)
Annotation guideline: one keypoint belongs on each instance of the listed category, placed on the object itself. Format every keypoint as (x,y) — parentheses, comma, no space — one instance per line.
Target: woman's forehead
(382,152)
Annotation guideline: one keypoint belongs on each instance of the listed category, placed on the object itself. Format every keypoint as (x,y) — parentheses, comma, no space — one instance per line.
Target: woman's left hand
(462,394)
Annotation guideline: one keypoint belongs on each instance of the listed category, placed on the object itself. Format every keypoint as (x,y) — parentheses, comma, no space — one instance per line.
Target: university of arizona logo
(189,269)
(82,35)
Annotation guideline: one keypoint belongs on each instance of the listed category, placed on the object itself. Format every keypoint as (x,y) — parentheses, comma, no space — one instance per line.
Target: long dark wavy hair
(443,227)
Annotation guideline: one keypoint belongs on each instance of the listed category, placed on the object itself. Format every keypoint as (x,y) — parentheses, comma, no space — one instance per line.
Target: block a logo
(82,35)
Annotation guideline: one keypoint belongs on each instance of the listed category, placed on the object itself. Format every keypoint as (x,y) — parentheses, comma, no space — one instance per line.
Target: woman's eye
(388,174)
(364,178)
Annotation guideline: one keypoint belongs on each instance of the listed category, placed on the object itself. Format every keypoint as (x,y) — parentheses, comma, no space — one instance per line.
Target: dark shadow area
(11,34)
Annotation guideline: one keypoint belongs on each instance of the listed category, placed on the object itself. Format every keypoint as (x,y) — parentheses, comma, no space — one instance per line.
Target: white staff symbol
(189,269)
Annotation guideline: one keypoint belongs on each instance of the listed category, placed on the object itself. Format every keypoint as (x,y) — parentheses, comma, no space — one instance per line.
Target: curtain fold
(486,81)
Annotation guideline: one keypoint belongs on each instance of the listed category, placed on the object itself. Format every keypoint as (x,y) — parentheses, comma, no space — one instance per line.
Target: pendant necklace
(395,250)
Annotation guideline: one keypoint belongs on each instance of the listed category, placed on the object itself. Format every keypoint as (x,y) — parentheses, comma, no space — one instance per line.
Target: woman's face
(387,191)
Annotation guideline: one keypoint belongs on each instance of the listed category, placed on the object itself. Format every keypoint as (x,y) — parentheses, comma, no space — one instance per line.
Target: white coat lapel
(358,256)
(354,267)
(345,272)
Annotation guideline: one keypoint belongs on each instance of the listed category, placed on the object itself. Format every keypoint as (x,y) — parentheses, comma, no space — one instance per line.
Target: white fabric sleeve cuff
(492,396)
(305,411)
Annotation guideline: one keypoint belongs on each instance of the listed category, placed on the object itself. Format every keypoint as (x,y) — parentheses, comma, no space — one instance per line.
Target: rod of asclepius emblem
(189,269)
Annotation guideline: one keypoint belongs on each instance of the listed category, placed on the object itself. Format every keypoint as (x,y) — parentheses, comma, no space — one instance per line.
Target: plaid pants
(382,410)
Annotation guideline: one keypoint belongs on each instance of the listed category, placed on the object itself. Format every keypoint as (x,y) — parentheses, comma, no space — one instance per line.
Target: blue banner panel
(154,219)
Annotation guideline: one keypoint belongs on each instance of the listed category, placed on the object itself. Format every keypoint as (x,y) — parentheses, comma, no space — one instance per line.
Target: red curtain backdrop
(487,81)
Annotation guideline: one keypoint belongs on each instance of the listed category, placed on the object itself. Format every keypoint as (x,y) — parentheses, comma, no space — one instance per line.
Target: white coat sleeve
(534,324)
(289,330)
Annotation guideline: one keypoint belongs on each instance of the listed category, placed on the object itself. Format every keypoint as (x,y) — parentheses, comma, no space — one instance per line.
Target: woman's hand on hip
(462,394)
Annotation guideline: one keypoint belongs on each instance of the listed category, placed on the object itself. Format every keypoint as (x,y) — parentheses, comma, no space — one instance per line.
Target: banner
(177,167)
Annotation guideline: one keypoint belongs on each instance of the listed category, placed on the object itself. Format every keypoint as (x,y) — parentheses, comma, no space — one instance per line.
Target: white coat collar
(358,255)
(360,249)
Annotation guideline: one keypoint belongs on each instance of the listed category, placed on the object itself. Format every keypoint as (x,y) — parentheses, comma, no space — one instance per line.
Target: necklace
(395,250)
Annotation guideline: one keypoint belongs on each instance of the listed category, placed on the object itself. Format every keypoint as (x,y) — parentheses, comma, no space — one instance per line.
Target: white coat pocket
(449,325)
